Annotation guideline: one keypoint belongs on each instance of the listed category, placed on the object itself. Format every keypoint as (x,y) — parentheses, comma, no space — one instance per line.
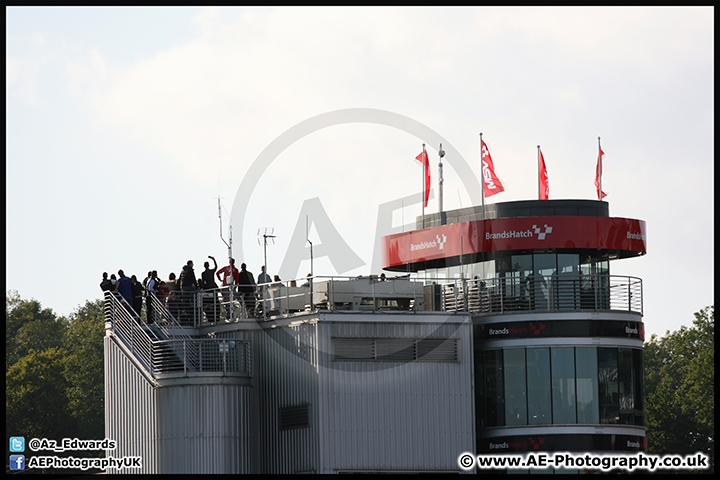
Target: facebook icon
(17,462)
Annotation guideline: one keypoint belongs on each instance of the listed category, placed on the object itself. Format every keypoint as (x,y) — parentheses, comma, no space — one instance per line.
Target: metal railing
(544,293)
(404,293)
(211,355)
(170,350)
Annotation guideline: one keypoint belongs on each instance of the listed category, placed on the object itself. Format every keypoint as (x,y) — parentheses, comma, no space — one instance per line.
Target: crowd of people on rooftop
(176,293)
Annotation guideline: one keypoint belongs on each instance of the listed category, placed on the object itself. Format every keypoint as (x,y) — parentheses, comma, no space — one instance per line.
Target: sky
(140,138)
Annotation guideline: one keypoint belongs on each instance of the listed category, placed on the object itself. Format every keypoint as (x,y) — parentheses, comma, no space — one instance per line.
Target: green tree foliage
(680,389)
(54,371)
(84,368)
(29,326)
(36,402)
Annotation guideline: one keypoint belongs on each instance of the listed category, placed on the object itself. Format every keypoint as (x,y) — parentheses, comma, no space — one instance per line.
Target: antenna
(307,238)
(229,245)
(267,236)
(312,274)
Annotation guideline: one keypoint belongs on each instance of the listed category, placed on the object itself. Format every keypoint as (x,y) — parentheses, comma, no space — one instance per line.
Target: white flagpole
(482,177)
(422,201)
(600,170)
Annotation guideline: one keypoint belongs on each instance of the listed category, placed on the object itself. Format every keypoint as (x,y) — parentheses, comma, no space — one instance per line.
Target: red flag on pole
(598,176)
(491,183)
(423,158)
(543,177)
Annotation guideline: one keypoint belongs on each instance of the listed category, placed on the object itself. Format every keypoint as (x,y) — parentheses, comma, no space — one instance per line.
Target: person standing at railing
(137,294)
(124,287)
(263,290)
(246,287)
(188,285)
(228,276)
(151,288)
(106,285)
(209,295)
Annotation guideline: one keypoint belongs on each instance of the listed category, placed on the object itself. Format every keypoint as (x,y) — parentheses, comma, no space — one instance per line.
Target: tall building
(558,340)
(503,331)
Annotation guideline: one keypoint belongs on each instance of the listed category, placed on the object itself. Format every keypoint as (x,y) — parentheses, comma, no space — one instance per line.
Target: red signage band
(625,235)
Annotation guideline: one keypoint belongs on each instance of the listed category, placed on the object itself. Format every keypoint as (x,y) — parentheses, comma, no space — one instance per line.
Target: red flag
(491,183)
(423,158)
(598,173)
(544,182)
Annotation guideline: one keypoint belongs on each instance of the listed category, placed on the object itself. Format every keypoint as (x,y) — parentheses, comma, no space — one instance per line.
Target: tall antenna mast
(266,233)
(312,274)
(229,245)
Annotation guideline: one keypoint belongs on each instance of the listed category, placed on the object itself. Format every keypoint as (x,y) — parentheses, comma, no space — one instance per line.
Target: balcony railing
(404,293)
(543,293)
(164,348)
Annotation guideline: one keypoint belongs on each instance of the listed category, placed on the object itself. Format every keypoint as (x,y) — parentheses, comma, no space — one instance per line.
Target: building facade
(503,332)
(558,340)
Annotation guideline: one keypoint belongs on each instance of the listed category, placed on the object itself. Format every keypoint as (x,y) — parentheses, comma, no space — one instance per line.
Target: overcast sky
(125,126)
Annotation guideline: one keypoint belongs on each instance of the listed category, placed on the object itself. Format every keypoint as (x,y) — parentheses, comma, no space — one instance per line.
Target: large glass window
(608,385)
(538,384)
(561,385)
(588,407)
(568,281)
(493,390)
(628,387)
(515,387)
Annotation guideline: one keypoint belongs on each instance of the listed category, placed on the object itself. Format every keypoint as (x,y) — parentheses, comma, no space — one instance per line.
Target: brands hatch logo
(537,328)
(537,442)
(541,236)
(441,243)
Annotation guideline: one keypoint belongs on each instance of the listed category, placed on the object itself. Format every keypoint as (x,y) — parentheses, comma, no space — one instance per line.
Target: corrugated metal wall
(286,375)
(130,413)
(380,416)
(363,416)
(176,429)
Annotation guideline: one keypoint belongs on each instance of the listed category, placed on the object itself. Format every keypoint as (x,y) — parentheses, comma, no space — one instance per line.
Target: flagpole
(423,188)
(539,176)
(599,166)
(482,177)
(441,154)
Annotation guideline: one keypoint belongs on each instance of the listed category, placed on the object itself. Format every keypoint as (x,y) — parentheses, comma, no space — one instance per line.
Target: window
(538,382)
(608,385)
(588,408)
(561,385)
(515,387)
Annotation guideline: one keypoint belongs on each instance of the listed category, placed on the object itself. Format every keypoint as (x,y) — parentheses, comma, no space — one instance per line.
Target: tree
(680,389)
(29,326)
(84,368)
(36,401)
(54,370)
